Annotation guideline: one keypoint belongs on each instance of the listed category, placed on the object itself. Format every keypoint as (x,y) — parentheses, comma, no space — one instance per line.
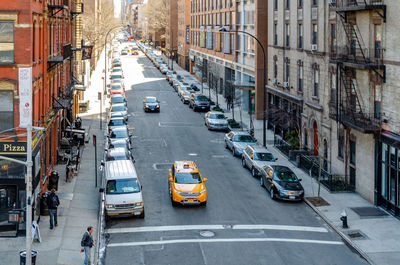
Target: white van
(123,192)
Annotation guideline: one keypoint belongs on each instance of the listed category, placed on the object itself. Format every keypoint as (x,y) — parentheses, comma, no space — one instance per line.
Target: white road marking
(192,154)
(228,240)
(219,156)
(214,227)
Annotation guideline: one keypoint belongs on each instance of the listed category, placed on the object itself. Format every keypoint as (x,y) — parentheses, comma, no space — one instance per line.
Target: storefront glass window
(383,181)
(384,152)
(393,156)
(392,184)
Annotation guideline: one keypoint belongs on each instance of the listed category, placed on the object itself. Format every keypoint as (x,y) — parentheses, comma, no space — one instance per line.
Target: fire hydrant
(343,218)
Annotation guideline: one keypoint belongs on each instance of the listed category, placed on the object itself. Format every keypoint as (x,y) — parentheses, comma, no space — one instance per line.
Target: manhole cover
(207,233)
(368,211)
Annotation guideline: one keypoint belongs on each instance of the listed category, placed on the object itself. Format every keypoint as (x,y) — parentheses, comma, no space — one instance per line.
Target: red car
(117,89)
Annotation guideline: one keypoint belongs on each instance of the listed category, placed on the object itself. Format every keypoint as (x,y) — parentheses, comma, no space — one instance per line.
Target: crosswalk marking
(219,240)
(216,227)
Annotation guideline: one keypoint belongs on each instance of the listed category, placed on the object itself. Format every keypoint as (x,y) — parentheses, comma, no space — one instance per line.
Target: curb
(340,233)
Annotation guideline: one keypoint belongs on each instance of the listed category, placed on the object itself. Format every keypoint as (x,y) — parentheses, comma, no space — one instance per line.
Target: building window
(6,41)
(314,34)
(378,40)
(301,74)
(275,4)
(275,68)
(333,87)
(300,3)
(287,70)
(287,4)
(287,33)
(6,109)
(316,82)
(300,34)
(314,2)
(341,145)
(333,37)
(275,33)
(377,101)
(353,152)
(33,41)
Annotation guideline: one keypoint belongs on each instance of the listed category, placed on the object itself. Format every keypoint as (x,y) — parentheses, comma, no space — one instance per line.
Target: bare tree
(95,31)
(156,13)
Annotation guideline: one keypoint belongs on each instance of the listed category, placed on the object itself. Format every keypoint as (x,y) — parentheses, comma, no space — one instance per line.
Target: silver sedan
(216,121)
(255,158)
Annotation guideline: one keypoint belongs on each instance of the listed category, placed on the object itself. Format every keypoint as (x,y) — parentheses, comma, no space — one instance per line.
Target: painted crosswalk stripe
(215,227)
(227,240)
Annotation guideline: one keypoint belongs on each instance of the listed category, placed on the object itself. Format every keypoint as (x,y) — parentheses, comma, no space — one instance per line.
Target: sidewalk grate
(356,235)
(369,211)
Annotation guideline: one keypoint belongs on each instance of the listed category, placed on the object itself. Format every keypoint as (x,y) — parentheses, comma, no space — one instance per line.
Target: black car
(118,154)
(116,122)
(199,102)
(282,183)
(151,104)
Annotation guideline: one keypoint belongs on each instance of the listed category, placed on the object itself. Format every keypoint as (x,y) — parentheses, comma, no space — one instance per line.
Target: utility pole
(28,181)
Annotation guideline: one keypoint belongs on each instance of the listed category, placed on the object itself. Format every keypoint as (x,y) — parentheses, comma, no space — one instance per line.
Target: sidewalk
(79,203)
(379,240)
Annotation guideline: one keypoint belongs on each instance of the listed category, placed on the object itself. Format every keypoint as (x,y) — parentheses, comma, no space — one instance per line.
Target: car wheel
(142,215)
(253,172)
(233,152)
(243,163)
(226,145)
(272,193)
(204,204)
(173,202)
(262,182)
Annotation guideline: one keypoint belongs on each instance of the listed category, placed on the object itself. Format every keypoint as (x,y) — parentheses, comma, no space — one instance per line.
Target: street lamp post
(105,72)
(264,80)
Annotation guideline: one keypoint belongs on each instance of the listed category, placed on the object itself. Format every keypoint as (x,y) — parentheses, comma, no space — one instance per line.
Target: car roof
(258,148)
(150,97)
(117,150)
(281,168)
(120,169)
(180,165)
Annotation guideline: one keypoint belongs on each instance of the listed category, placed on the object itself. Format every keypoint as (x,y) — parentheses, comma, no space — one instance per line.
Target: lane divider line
(227,240)
(215,227)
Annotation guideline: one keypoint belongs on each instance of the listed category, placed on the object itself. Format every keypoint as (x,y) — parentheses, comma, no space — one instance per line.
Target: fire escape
(349,108)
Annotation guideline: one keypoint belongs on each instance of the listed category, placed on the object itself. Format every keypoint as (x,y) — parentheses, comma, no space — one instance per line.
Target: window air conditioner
(314,47)
(275,81)
(286,84)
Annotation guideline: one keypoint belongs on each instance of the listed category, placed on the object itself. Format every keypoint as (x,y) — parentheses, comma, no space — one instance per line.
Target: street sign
(25,96)
(94,140)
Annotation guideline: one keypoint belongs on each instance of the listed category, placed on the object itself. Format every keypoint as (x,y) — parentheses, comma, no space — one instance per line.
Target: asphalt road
(239,225)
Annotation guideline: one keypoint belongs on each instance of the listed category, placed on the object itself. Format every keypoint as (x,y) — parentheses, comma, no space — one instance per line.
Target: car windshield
(243,138)
(119,156)
(264,157)
(201,98)
(117,100)
(116,76)
(119,144)
(118,108)
(217,116)
(119,134)
(122,186)
(151,100)
(187,178)
(116,87)
(286,176)
(117,122)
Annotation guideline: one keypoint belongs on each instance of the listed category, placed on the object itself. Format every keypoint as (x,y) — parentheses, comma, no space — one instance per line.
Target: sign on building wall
(217,44)
(25,96)
(187,34)
(227,42)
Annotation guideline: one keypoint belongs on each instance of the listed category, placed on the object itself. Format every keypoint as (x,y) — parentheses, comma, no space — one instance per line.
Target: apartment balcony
(360,58)
(362,122)
(358,5)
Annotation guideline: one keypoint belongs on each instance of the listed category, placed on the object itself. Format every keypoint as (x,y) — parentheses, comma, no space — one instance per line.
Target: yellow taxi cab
(135,50)
(186,185)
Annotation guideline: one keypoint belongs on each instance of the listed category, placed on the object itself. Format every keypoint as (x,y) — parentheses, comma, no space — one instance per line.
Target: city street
(239,225)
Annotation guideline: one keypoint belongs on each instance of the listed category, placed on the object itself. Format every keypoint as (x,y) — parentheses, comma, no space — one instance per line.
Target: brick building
(171,30)
(183,33)
(37,35)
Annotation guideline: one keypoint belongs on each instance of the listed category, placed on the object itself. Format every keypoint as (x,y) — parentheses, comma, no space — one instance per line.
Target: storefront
(388,172)
(12,179)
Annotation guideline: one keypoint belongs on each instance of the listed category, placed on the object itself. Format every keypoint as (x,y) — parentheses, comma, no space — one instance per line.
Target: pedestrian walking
(52,204)
(87,243)
(228,102)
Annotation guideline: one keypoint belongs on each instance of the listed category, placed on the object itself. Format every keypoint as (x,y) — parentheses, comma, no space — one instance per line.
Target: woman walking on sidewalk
(87,243)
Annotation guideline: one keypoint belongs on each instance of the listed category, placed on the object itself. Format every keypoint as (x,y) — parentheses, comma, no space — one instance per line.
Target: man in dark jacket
(52,204)
(87,243)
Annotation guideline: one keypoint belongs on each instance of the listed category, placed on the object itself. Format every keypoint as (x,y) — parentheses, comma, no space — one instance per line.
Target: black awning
(62,103)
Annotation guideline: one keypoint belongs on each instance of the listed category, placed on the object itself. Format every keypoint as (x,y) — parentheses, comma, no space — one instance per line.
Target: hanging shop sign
(12,148)
(25,96)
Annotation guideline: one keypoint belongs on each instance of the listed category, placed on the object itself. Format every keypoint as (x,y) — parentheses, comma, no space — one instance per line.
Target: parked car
(119,143)
(255,158)
(185,97)
(164,69)
(151,104)
(124,52)
(236,141)
(121,108)
(216,121)
(114,76)
(199,102)
(183,87)
(116,70)
(169,74)
(116,64)
(118,98)
(116,122)
(118,154)
(117,89)
(117,114)
(120,133)
(282,183)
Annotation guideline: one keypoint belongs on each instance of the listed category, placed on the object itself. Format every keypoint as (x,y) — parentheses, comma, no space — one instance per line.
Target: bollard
(343,218)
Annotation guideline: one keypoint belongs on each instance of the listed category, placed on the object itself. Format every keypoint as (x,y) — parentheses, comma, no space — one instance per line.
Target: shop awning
(284,94)
(244,85)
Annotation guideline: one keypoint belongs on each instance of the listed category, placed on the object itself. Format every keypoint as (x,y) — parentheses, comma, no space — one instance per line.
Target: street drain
(207,234)
(356,235)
